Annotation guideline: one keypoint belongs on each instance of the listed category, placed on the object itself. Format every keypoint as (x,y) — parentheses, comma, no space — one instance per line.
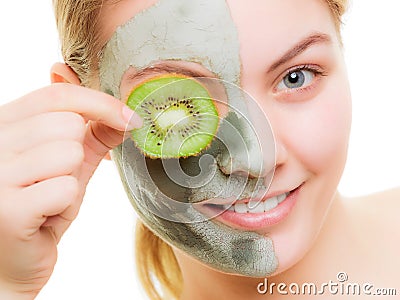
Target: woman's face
(287,56)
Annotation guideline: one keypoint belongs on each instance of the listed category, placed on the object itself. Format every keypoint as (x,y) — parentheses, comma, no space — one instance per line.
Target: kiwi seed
(180,117)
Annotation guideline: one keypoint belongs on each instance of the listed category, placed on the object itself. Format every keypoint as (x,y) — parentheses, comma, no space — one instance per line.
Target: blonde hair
(80,36)
(81,46)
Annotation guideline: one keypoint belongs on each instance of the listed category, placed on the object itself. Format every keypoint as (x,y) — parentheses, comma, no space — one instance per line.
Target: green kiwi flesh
(180,118)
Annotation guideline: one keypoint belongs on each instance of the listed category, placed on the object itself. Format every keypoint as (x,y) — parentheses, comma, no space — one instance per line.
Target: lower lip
(256,221)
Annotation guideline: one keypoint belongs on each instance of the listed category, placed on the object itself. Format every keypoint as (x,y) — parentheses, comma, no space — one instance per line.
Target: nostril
(237,167)
(227,170)
(240,149)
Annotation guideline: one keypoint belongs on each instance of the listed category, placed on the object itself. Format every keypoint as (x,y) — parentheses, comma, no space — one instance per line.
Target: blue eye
(296,79)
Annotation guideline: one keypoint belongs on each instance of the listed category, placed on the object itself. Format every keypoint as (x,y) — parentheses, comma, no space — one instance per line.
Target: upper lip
(228,201)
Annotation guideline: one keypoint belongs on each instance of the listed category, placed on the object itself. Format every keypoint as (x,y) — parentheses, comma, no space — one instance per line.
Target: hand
(51,142)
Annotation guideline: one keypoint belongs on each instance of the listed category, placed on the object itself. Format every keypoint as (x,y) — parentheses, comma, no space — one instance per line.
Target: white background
(96,254)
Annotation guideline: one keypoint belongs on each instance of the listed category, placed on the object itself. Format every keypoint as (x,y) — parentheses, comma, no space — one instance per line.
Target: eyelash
(317,72)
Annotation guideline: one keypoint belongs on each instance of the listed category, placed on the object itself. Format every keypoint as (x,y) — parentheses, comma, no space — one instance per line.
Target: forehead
(270,11)
(196,31)
(268,28)
(223,36)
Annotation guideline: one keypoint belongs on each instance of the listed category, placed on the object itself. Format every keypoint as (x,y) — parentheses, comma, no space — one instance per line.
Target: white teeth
(240,208)
(282,197)
(270,203)
(255,207)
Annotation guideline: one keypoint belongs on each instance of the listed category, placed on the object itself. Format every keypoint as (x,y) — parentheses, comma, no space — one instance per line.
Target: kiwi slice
(180,118)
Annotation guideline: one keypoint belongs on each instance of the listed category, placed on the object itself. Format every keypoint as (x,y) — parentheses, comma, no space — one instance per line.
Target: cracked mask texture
(203,32)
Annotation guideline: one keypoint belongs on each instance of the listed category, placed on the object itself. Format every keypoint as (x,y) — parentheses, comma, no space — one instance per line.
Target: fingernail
(131,118)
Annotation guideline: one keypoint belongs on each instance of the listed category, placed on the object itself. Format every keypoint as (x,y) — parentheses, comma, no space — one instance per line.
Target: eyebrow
(300,47)
(163,67)
(168,67)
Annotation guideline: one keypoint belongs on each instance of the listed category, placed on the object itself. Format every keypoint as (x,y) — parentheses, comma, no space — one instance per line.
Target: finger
(43,162)
(91,104)
(52,197)
(41,129)
(99,140)
(34,205)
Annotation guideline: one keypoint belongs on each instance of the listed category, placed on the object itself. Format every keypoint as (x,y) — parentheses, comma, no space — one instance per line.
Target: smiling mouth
(254,206)
(253,214)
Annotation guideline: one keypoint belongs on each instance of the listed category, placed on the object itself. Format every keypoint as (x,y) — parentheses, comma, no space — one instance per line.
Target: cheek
(315,134)
(320,130)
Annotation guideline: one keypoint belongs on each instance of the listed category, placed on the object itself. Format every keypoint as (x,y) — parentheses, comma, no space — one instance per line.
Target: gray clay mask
(166,193)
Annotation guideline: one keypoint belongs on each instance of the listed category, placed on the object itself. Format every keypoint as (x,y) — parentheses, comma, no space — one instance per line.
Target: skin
(359,235)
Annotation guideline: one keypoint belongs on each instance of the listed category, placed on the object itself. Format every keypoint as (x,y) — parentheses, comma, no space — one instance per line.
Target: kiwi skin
(157,142)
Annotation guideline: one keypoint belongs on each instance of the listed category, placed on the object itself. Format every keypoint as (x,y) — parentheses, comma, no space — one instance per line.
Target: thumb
(99,140)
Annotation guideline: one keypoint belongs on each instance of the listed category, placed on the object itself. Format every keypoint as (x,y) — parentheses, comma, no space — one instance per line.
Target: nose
(247,143)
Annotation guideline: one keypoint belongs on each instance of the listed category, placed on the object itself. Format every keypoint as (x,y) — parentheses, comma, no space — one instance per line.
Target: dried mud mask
(168,194)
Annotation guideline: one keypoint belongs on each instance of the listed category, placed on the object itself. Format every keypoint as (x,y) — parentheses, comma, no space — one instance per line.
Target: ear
(60,72)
